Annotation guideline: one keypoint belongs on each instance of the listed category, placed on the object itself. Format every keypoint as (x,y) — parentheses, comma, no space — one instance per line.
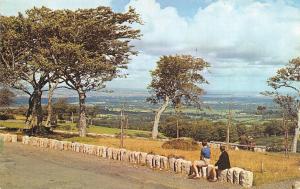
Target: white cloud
(242,39)
(12,7)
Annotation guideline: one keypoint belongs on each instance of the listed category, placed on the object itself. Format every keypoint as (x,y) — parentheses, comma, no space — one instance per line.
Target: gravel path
(23,166)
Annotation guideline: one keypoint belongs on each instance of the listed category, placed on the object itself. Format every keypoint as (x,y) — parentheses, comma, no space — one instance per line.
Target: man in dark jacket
(222,164)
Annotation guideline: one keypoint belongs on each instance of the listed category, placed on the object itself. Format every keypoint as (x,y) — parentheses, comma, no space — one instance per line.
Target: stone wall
(234,175)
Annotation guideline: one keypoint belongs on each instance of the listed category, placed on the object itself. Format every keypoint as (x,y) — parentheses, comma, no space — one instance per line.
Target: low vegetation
(181,144)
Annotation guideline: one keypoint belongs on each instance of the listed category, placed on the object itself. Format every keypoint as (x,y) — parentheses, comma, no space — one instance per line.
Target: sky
(245,41)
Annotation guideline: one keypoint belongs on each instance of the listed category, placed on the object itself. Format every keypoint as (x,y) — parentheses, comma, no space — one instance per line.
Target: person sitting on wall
(222,164)
(204,160)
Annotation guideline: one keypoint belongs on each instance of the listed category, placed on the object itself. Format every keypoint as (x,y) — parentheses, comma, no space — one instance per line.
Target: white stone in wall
(172,164)
(186,167)
(230,175)
(142,158)
(137,157)
(236,175)
(296,185)
(60,145)
(178,165)
(223,176)
(25,139)
(204,172)
(164,162)
(104,152)
(246,178)
(131,156)
(122,154)
(115,152)
(109,153)
(14,138)
(127,156)
(156,160)
(149,160)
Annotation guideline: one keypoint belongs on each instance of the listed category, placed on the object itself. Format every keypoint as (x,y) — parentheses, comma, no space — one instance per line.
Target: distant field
(72,127)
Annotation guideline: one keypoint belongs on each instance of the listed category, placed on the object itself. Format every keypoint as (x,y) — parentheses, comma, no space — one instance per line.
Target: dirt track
(23,166)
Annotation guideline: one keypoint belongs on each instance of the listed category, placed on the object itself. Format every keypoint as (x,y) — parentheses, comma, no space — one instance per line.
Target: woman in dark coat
(222,164)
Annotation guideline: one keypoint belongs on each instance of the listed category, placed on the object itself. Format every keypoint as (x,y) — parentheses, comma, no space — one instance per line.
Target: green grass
(91,129)
(13,124)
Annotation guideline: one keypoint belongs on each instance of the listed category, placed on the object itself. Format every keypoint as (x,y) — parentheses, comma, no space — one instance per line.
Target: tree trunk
(82,114)
(177,128)
(29,110)
(157,117)
(38,109)
(296,135)
(49,106)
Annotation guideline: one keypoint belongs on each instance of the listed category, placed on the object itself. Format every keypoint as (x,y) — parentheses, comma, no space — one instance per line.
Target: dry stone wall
(233,175)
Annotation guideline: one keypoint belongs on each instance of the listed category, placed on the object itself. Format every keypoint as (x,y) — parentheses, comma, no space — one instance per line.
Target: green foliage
(181,144)
(6,97)
(178,78)
(4,116)
(199,130)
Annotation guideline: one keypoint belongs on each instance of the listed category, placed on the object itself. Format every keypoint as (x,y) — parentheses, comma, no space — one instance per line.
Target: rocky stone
(142,158)
(156,160)
(178,165)
(222,177)
(25,139)
(186,167)
(172,164)
(230,175)
(204,172)
(296,185)
(246,178)
(137,157)
(14,138)
(236,175)
(149,160)
(164,162)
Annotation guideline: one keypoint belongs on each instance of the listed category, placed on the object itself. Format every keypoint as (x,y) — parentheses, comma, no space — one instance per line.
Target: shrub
(6,116)
(181,144)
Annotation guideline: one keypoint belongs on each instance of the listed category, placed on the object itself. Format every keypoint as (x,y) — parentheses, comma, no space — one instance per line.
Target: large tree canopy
(84,48)
(22,64)
(176,79)
(90,47)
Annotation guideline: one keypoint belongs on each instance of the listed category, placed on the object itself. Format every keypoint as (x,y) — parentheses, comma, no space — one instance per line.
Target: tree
(289,78)
(60,107)
(91,47)
(176,80)
(51,89)
(6,97)
(23,42)
(260,110)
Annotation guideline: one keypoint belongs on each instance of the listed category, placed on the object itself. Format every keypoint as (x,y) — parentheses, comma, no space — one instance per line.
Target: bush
(66,127)
(6,116)
(181,144)
(198,130)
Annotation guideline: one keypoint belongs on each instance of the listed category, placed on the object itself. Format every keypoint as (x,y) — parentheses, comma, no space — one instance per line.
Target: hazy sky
(245,41)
